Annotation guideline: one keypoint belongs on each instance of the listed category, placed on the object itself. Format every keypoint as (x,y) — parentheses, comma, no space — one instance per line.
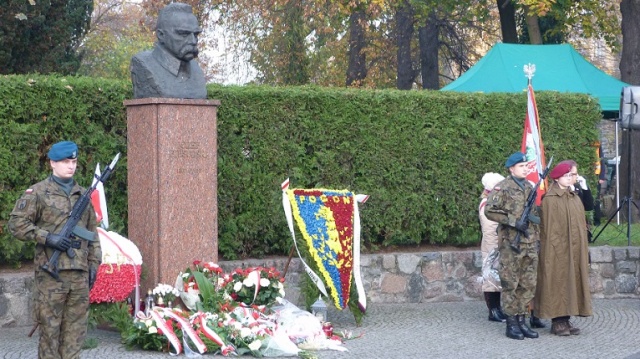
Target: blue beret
(63,149)
(515,158)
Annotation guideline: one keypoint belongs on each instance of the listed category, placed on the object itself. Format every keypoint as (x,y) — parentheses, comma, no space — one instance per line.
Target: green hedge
(418,154)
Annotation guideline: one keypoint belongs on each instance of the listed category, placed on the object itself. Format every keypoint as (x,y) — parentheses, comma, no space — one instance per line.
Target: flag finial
(529,70)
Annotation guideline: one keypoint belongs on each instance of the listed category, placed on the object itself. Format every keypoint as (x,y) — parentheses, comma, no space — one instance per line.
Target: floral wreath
(330,225)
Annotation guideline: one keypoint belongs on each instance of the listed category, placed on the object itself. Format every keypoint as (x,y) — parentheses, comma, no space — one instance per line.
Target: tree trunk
(404,34)
(296,71)
(508,21)
(533,27)
(630,58)
(428,36)
(357,69)
(630,73)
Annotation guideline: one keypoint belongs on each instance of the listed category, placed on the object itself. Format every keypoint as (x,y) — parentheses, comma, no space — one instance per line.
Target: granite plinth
(172,184)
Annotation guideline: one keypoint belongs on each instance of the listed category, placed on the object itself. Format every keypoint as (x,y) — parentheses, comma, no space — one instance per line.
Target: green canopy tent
(558,68)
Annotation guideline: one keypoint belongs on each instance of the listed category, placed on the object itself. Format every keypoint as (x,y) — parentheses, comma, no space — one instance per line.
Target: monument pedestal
(172,184)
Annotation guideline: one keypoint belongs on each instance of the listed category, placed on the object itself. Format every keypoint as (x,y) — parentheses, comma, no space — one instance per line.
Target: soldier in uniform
(61,307)
(518,271)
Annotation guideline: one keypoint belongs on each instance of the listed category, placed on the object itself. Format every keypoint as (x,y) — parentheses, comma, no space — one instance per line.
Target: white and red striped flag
(99,201)
(532,145)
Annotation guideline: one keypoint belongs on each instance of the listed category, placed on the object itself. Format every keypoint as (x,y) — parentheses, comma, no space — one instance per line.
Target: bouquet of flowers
(209,270)
(144,334)
(249,330)
(165,293)
(200,286)
(254,286)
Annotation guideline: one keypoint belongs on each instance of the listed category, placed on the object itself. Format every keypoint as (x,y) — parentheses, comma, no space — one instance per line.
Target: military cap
(561,169)
(514,159)
(63,149)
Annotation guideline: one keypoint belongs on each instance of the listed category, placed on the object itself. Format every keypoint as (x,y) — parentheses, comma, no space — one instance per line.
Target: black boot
(535,322)
(526,331)
(513,329)
(493,302)
(499,306)
(487,299)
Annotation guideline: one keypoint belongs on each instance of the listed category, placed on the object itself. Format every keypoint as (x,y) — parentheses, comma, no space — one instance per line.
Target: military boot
(526,331)
(513,329)
(535,322)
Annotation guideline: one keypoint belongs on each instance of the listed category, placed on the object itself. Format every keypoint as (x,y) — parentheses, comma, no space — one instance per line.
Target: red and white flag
(532,145)
(99,201)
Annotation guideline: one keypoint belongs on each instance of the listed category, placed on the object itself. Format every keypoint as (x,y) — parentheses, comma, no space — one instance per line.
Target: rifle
(529,206)
(70,228)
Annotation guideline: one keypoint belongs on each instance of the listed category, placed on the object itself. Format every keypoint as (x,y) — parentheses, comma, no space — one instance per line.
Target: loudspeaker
(629,105)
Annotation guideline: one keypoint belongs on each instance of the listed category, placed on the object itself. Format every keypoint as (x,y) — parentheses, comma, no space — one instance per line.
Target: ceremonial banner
(330,224)
(99,201)
(532,145)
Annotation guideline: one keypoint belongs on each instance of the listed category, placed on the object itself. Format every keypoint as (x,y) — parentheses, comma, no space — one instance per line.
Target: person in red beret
(563,290)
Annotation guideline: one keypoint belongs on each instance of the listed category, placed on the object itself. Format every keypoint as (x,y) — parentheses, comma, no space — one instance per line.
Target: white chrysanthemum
(153,330)
(245,332)
(237,286)
(255,345)
(264,282)
(148,322)
(280,286)
(247,282)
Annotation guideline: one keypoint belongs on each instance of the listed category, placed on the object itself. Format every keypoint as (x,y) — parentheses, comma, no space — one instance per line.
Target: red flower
(114,282)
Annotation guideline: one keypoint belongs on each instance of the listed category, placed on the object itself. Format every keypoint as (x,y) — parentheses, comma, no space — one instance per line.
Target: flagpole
(618,177)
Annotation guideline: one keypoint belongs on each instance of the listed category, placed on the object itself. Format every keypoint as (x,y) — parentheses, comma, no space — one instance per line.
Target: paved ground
(428,330)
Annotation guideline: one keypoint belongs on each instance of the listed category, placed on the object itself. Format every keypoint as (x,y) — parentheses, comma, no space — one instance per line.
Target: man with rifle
(61,291)
(518,237)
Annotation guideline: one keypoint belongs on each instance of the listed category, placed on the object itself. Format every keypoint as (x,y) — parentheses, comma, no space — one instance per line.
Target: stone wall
(607,130)
(15,299)
(392,277)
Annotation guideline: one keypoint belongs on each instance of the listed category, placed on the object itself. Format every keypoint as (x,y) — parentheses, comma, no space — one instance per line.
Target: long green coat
(563,270)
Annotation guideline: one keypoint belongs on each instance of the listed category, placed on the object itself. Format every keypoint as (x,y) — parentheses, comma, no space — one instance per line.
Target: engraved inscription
(191,156)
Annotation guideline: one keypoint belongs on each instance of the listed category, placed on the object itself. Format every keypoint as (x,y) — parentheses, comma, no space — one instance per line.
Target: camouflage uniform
(518,272)
(61,307)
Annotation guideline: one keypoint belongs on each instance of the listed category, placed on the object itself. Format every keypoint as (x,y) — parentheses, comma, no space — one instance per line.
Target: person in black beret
(518,271)
(61,306)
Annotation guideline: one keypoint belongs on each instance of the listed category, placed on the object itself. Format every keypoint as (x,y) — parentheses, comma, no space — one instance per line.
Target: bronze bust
(170,69)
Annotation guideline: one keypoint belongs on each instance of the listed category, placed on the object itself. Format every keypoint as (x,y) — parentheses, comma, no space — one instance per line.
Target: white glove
(583,183)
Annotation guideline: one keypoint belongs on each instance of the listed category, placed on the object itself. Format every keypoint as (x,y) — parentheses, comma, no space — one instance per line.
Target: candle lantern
(319,309)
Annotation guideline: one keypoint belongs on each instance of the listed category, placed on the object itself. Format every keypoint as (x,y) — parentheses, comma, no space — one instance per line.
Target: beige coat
(563,270)
(489,242)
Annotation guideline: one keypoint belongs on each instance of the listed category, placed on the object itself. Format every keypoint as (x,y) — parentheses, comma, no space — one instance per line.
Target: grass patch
(90,343)
(615,235)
